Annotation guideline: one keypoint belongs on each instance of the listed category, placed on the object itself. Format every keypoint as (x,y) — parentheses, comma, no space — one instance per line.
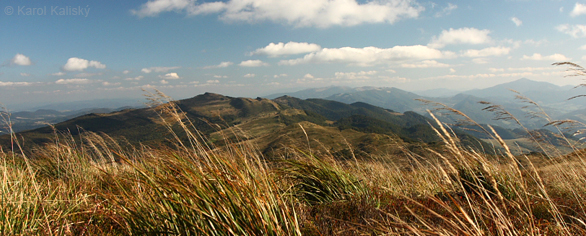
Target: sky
(58,51)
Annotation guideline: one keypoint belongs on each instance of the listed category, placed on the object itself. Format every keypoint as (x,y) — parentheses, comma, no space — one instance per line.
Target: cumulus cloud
(290,48)
(576,31)
(25,74)
(215,81)
(220,76)
(460,36)
(553,57)
(281,75)
(369,56)
(300,13)
(487,52)
(79,64)
(253,63)
(170,76)
(223,64)
(354,75)
(73,81)
(159,69)
(125,72)
(155,7)
(249,75)
(164,82)
(426,64)
(59,74)
(579,9)
(20,60)
(516,21)
(583,47)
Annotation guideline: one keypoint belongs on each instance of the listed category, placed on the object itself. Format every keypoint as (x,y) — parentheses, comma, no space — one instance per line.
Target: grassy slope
(100,188)
(262,121)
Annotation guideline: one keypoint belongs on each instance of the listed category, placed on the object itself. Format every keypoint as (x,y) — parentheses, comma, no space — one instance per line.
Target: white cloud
(553,57)
(426,64)
(249,75)
(278,76)
(583,47)
(73,81)
(220,76)
(10,84)
(135,78)
(159,69)
(575,31)
(59,74)
(172,75)
(535,43)
(253,63)
(215,81)
(125,72)
(531,69)
(517,21)
(487,52)
(301,13)
(354,75)
(164,82)
(455,77)
(369,56)
(452,70)
(290,48)
(479,60)
(155,7)
(579,9)
(308,78)
(494,70)
(223,64)
(106,83)
(79,64)
(20,60)
(447,10)
(460,36)
(25,74)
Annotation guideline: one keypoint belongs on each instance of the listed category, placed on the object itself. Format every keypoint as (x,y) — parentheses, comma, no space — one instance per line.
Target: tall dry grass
(94,185)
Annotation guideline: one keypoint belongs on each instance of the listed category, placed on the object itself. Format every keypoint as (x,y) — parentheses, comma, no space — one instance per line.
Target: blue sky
(55,51)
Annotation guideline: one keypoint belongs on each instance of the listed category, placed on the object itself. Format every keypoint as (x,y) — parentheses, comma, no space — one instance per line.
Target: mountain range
(337,119)
(552,100)
(272,125)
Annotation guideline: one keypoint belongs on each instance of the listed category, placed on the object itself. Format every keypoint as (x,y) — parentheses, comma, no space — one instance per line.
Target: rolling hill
(272,125)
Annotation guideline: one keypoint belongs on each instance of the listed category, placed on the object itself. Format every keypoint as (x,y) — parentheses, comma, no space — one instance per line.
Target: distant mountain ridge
(271,124)
(551,98)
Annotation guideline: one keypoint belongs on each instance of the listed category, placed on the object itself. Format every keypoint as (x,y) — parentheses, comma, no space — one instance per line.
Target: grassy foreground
(101,186)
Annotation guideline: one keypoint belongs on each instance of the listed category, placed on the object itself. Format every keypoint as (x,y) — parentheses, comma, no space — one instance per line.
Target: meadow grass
(96,185)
